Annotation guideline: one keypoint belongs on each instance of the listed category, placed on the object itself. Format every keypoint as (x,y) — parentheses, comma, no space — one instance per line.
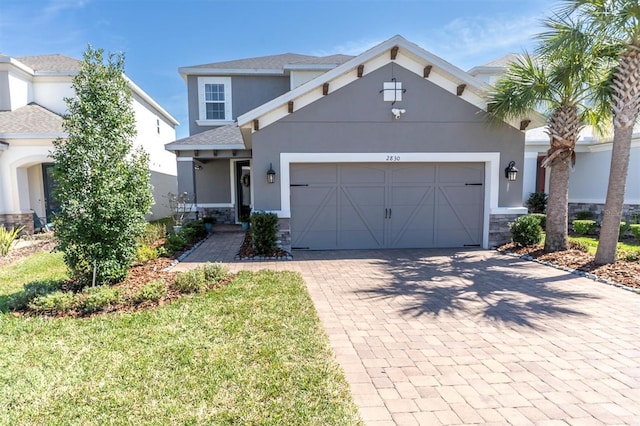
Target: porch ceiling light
(271,174)
(511,172)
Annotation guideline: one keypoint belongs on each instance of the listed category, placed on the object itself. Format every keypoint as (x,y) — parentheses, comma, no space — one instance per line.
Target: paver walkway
(469,336)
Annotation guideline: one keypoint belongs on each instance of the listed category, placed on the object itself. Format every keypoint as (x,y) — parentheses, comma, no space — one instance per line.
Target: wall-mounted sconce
(197,167)
(511,172)
(271,174)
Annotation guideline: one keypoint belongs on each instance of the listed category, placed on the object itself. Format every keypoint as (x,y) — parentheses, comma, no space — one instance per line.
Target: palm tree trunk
(557,206)
(626,107)
(610,225)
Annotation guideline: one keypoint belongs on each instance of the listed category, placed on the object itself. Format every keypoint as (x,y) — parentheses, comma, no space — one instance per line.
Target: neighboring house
(388,149)
(590,176)
(32,92)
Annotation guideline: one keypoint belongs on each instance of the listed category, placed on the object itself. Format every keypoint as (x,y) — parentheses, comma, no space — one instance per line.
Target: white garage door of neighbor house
(382,205)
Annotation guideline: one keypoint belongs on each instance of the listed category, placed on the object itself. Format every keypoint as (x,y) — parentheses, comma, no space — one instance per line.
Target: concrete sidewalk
(468,336)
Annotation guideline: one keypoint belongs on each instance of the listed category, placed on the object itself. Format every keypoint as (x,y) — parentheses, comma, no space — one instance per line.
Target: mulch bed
(621,272)
(14,255)
(248,253)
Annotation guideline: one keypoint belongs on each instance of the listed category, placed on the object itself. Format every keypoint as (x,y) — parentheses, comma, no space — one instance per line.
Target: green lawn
(38,266)
(251,353)
(592,244)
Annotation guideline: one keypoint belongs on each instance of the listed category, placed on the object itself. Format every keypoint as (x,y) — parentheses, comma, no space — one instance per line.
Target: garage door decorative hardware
(299,184)
(473,184)
(387,213)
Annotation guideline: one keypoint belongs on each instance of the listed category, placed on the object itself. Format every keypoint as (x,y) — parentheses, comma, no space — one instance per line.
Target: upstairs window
(215,100)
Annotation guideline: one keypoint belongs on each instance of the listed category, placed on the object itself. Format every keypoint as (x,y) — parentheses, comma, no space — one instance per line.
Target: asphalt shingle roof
(275,61)
(30,119)
(220,136)
(51,63)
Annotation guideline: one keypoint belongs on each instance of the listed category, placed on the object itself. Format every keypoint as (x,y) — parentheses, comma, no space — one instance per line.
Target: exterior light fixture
(271,174)
(197,167)
(511,172)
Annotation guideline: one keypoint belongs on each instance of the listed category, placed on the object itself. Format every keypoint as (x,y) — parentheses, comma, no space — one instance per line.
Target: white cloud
(465,41)
(57,6)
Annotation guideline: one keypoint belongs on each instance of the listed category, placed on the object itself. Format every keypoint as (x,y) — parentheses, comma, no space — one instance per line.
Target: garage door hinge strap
(299,184)
(473,184)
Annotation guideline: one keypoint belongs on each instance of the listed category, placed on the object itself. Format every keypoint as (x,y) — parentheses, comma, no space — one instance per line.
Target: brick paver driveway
(459,337)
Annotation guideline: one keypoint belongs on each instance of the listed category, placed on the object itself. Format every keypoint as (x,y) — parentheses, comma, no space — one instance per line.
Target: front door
(51,205)
(243,189)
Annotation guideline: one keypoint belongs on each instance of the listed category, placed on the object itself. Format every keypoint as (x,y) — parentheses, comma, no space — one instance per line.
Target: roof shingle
(31,118)
(221,137)
(51,63)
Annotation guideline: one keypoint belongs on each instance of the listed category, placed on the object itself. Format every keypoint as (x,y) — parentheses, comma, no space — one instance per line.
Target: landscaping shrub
(150,292)
(541,217)
(537,202)
(215,272)
(194,231)
(526,231)
(20,301)
(144,253)
(175,242)
(7,237)
(98,298)
(584,215)
(264,233)
(635,230)
(578,245)
(152,233)
(624,228)
(200,279)
(584,227)
(59,302)
(629,255)
(191,281)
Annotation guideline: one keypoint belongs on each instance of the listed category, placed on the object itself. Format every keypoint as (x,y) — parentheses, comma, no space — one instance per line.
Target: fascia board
(180,147)
(229,71)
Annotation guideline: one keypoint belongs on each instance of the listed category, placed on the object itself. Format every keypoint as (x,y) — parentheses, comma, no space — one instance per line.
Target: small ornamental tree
(103,183)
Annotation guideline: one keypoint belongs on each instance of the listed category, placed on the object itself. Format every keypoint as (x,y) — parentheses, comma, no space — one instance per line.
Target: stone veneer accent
(18,219)
(284,234)
(628,210)
(224,215)
(499,232)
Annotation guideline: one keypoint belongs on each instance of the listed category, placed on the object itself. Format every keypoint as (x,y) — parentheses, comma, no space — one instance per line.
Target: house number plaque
(393,158)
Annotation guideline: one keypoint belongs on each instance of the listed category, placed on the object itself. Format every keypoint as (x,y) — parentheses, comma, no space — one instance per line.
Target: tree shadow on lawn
(472,284)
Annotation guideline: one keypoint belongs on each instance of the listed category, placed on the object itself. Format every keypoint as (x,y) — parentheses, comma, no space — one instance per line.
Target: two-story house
(387,149)
(32,92)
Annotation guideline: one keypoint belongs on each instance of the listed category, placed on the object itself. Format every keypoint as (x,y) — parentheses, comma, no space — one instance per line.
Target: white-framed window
(214,94)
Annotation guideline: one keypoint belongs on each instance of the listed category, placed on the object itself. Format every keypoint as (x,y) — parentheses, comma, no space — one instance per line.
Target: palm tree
(565,84)
(619,22)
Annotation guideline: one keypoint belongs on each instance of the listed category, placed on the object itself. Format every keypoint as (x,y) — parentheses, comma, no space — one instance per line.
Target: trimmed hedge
(526,231)
(584,227)
(264,233)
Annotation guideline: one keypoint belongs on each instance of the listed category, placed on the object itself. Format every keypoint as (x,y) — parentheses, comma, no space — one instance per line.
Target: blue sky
(159,36)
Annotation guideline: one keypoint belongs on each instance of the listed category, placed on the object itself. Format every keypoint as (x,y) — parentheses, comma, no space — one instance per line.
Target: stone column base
(13,220)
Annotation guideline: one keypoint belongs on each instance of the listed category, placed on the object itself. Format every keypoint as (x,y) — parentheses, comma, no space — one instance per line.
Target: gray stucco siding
(247,93)
(355,119)
(213,182)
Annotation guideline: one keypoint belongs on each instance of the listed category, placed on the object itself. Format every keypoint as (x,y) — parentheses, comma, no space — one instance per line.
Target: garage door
(373,205)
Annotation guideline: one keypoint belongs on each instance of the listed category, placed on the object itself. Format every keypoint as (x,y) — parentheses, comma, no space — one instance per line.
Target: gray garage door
(398,205)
